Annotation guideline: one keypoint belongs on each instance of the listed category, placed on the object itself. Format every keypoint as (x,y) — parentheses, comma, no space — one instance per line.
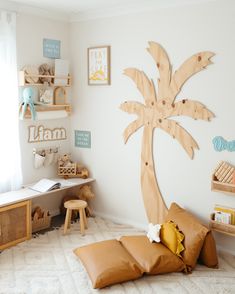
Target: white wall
(30,33)
(182,31)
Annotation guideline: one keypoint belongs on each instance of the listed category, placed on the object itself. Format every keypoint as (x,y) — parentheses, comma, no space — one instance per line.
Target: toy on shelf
(27,103)
(45,70)
(223,178)
(41,219)
(69,169)
(85,193)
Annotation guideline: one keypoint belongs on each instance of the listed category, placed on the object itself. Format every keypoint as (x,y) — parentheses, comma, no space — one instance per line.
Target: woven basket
(41,223)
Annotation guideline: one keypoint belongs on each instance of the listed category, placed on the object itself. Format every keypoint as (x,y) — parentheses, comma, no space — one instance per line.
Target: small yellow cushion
(171,237)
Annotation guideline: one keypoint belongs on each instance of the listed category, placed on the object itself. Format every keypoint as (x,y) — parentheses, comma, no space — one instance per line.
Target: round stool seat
(75,204)
(79,205)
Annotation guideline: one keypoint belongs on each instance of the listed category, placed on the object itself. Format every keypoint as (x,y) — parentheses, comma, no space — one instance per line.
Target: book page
(45,185)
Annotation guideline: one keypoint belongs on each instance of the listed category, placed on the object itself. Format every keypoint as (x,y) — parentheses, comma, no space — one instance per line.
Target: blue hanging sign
(82,139)
(221,144)
(51,48)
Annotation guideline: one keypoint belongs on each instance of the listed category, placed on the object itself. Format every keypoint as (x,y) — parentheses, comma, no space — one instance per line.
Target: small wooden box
(223,187)
(41,223)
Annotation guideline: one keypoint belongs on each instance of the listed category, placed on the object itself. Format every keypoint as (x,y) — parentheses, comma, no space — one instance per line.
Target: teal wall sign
(51,48)
(221,144)
(82,139)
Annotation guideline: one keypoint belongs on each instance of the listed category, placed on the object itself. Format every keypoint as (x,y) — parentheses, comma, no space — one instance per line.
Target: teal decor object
(28,102)
(51,48)
(82,139)
(221,144)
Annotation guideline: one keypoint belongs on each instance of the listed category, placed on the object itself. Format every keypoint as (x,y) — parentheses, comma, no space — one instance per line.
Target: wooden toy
(70,169)
(156,113)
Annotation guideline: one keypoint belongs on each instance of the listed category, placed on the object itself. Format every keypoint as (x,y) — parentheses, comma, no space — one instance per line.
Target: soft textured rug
(47,265)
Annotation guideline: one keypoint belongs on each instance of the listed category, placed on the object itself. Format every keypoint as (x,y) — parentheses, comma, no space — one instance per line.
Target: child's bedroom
(118,146)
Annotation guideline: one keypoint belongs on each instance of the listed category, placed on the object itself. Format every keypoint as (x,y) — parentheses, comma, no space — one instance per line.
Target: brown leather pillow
(208,255)
(154,258)
(193,231)
(108,263)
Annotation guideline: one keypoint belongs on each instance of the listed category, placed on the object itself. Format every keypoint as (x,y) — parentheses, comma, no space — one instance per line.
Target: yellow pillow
(171,237)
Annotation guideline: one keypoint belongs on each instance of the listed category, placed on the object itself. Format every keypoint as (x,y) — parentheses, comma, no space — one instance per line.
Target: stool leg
(67,220)
(70,217)
(81,221)
(85,219)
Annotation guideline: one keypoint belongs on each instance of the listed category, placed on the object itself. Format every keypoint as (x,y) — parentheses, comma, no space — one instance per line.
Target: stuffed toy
(27,102)
(86,194)
(154,233)
(46,70)
(65,161)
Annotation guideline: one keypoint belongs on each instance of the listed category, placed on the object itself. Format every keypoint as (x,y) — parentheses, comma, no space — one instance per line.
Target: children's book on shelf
(226,210)
(45,185)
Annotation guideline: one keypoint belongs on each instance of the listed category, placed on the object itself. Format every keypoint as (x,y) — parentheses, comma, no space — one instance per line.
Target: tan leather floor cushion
(154,258)
(208,255)
(194,233)
(108,262)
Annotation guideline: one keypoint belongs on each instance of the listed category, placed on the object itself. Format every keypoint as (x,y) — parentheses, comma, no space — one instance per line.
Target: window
(10,163)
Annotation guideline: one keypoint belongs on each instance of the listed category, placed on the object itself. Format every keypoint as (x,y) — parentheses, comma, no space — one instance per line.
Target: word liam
(41,134)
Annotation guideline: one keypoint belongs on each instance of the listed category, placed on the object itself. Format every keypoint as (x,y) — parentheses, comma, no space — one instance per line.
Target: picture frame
(46,96)
(99,65)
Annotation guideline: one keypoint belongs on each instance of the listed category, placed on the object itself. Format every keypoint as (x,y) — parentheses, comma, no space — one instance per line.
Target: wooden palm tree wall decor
(156,113)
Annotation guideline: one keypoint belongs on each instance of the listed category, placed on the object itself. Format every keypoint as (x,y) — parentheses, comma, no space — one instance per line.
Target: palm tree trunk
(155,206)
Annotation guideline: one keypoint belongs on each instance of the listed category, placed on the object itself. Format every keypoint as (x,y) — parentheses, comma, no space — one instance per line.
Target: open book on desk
(45,185)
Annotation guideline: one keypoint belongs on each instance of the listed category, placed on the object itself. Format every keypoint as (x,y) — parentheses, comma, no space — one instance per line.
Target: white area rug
(47,265)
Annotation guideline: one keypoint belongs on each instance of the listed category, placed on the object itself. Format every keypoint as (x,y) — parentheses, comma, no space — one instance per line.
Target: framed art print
(99,65)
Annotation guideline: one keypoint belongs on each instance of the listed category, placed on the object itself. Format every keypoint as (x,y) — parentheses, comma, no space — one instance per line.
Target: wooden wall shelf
(222,228)
(23,76)
(217,186)
(42,108)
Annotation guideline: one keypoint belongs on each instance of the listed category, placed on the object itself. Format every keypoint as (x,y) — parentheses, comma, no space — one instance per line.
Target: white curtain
(10,162)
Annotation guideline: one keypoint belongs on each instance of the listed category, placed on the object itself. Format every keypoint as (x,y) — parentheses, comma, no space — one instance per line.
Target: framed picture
(99,65)
(46,96)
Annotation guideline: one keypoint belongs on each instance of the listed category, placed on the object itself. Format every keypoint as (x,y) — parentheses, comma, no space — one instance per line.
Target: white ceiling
(87,9)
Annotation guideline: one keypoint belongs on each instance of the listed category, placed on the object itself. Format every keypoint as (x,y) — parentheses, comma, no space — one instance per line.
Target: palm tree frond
(163,64)
(191,108)
(191,66)
(132,107)
(180,134)
(144,85)
(131,129)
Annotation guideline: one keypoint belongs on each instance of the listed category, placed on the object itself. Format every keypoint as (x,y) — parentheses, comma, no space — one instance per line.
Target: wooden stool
(79,205)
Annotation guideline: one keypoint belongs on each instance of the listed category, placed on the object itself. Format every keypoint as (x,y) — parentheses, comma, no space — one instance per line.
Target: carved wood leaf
(191,108)
(163,64)
(180,134)
(192,65)
(144,85)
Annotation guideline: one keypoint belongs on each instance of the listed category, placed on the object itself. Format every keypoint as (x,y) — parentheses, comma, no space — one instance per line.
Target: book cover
(226,209)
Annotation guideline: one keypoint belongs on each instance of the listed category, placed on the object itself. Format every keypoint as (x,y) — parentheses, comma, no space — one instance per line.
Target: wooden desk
(15,211)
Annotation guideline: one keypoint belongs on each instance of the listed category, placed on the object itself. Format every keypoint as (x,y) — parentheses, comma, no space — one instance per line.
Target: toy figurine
(27,102)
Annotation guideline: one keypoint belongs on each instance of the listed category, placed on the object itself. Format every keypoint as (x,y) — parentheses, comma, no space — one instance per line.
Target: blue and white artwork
(221,144)
(82,139)
(51,48)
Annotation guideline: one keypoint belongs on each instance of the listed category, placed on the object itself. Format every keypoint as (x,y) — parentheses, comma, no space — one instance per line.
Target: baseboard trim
(121,220)
(222,249)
